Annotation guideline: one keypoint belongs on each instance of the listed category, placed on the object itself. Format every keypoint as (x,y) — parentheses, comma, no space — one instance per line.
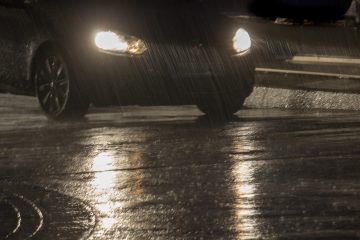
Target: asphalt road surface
(170,173)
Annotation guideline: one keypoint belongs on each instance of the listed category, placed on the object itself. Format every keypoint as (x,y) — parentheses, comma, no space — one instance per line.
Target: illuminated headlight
(241,41)
(119,43)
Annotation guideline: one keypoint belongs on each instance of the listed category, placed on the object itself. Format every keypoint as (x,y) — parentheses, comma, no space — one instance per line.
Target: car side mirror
(16,3)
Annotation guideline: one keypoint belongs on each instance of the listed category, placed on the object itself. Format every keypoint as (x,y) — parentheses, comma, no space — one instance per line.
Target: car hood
(184,21)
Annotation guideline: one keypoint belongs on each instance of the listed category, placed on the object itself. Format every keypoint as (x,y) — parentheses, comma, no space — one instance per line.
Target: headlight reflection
(104,183)
(245,189)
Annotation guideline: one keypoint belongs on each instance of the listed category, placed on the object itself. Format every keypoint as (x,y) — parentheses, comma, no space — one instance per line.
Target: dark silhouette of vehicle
(73,53)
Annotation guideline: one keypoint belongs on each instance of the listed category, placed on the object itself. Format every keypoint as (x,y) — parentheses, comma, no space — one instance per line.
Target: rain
(179,119)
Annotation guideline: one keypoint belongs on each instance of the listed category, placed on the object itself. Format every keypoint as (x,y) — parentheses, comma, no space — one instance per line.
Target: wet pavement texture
(170,173)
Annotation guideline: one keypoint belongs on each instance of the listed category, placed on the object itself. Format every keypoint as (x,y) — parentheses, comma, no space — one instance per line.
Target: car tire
(223,98)
(59,94)
(219,106)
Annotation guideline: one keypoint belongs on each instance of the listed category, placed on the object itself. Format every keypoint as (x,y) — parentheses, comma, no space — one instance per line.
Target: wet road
(169,173)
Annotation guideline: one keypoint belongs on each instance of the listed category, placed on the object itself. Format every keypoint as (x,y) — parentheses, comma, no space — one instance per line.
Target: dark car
(74,53)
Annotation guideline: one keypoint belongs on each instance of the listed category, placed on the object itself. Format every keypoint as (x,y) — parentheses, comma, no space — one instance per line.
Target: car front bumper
(166,75)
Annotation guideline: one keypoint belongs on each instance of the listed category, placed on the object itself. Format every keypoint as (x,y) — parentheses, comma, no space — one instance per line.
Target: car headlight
(241,41)
(119,43)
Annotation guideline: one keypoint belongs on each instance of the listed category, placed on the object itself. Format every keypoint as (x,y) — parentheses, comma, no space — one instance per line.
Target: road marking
(323,74)
(319,59)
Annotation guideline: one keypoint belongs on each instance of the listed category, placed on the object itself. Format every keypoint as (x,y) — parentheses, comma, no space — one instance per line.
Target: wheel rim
(52,85)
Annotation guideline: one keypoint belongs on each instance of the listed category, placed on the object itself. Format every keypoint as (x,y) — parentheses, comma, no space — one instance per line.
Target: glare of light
(107,223)
(112,189)
(245,192)
(247,189)
(103,184)
(244,175)
(105,207)
(103,161)
(137,47)
(241,41)
(111,41)
(105,180)
(119,43)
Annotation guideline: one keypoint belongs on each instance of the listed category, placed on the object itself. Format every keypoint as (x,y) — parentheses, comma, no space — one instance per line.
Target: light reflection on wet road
(168,173)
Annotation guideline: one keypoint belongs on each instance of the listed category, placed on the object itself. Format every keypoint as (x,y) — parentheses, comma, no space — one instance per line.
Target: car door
(16,32)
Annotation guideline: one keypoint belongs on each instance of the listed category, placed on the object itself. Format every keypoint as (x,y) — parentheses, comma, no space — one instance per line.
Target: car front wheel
(58,93)
(216,105)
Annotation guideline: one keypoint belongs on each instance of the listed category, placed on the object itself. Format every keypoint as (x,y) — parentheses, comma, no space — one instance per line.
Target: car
(70,54)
